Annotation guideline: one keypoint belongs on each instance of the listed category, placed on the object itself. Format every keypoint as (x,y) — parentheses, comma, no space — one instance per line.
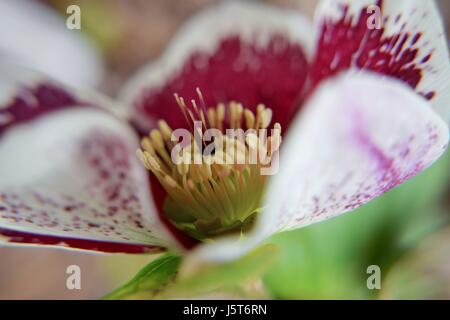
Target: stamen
(266,118)
(220,115)
(259,110)
(223,193)
(212,117)
(249,118)
(202,102)
(165,130)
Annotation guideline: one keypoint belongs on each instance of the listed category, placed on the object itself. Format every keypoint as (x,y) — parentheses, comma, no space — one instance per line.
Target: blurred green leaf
(424,273)
(330,259)
(152,277)
(209,278)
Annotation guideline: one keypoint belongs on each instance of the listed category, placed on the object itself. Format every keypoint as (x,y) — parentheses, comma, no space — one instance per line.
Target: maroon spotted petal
(240,51)
(409,45)
(69,174)
(24,238)
(272,77)
(34,101)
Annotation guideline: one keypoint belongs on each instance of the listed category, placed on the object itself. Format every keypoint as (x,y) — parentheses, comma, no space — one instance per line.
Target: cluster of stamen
(217,192)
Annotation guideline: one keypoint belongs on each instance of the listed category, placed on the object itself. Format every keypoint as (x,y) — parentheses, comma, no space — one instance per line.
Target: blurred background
(406,232)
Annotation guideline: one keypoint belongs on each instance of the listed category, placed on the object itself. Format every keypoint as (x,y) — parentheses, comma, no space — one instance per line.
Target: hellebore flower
(362,110)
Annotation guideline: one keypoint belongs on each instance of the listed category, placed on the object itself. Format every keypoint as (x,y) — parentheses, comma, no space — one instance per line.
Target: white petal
(410,46)
(69,174)
(359,136)
(34,35)
(254,24)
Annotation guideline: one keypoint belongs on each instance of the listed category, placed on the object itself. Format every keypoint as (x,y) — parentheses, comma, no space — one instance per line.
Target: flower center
(215,177)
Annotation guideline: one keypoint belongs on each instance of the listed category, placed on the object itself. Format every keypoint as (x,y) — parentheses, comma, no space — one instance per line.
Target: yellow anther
(266,118)
(259,111)
(165,130)
(220,115)
(275,139)
(212,117)
(147,145)
(249,118)
(140,155)
(239,111)
(157,139)
(183,169)
(152,162)
(170,182)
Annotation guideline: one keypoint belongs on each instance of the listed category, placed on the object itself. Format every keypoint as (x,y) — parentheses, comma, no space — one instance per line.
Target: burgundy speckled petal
(69,174)
(410,45)
(241,51)
(26,95)
(29,239)
(34,101)
(83,185)
(358,137)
